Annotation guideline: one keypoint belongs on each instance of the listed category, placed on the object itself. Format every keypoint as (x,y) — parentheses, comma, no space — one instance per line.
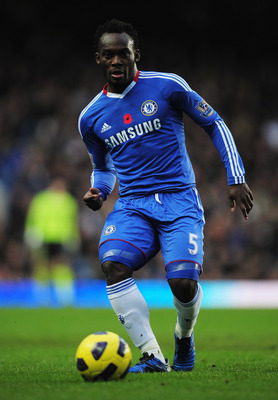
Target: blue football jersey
(139,135)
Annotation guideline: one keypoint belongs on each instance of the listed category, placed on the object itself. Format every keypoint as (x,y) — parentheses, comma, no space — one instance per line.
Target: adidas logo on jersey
(105,127)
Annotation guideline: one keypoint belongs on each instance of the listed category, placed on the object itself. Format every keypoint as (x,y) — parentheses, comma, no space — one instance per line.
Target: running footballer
(134,128)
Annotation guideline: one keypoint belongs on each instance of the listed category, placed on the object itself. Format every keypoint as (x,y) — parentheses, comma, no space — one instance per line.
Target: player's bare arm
(241,195)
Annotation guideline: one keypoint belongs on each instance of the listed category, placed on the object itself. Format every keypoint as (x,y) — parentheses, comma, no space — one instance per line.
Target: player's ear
(137,55)
(97,58)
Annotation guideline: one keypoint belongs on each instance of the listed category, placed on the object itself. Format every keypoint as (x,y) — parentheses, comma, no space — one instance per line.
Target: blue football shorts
(138,228)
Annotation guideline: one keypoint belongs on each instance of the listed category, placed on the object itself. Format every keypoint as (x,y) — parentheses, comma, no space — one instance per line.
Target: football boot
(149,363)
(184,358)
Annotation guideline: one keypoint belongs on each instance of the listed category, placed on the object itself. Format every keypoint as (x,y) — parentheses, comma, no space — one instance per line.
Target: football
(103,356)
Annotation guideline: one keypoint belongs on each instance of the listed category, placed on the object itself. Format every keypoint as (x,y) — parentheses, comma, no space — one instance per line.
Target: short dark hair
(116,26)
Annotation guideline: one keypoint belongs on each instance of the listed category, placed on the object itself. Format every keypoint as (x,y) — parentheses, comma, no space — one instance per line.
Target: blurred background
(227,53)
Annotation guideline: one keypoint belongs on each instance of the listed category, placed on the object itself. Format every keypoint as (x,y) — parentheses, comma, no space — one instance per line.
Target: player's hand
(93,199)
(241,195)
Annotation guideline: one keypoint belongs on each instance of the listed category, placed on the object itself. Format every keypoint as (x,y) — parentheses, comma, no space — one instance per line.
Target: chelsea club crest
(149,107)
(110,229)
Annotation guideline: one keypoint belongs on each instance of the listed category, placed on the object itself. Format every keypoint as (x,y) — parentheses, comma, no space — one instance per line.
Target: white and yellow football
(103,356)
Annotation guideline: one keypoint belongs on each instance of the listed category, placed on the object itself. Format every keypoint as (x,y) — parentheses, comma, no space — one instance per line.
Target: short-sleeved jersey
(140,135)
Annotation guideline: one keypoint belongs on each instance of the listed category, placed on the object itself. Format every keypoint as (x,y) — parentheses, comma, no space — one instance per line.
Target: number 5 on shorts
(193,241)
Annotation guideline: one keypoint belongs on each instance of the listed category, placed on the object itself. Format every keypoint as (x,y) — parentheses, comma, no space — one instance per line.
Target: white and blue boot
(149,363)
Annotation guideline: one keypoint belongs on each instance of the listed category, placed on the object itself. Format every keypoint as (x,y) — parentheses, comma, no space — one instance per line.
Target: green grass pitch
(237,356)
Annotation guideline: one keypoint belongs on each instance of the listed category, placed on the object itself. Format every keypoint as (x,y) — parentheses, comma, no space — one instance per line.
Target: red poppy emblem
(127,118)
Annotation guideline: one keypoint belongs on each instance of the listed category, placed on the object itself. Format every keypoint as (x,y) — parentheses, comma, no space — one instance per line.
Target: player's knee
(115,272)
(183,289)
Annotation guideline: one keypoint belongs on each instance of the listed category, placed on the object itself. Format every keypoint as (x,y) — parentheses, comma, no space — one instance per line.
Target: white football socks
(133,313)
(187,314)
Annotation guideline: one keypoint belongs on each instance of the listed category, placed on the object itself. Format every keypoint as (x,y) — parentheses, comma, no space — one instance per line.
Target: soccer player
(134,127)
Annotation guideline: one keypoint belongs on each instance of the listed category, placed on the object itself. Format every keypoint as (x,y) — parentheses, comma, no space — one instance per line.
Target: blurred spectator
(51,229)
(52,235)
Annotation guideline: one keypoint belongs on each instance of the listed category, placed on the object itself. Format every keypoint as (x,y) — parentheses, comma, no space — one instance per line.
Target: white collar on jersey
(127,89)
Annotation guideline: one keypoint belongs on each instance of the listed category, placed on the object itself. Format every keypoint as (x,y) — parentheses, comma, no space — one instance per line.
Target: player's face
(117,58)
